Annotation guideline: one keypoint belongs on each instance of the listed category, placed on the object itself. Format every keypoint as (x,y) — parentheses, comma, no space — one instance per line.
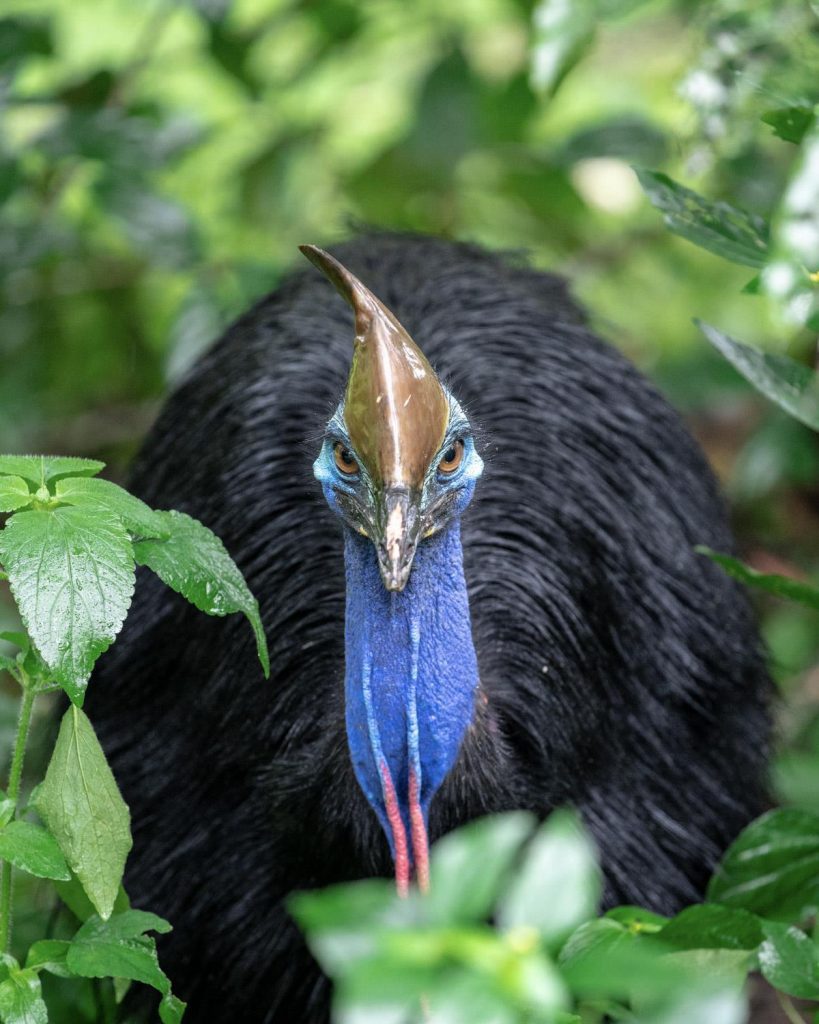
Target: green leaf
(789,959)
(794,387)
(790,123)
(49,955)
(781,586)
(82,807)
(119,948)
(716,226)
(171,1009)
(562,32)
(194,563)
(40,469)
(772,868)
(30,848)
(74,897)
(136,516)
(558,884)
(21,1000)
(71,572)
(14,493)
(469,865)
(637,920)
(7,808)
(711,926)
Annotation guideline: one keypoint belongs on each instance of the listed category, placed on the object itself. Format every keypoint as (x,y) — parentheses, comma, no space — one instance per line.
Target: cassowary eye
(452,457)
(345,460)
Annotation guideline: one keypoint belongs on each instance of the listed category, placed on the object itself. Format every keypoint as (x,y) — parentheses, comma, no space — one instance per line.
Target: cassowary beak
(396,412)
(401,531)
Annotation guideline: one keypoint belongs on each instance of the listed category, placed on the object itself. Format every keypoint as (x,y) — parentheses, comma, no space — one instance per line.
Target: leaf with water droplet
(194,563)
(71,572)
(81,804)
(136,516)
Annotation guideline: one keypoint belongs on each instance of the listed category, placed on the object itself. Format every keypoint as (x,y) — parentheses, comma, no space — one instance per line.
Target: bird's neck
(411,677)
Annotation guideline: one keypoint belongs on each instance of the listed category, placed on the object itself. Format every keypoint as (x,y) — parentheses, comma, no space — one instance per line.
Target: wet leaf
(136,516)
(30,848)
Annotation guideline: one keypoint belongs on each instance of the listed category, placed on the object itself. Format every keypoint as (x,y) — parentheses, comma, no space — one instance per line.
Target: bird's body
(617,670)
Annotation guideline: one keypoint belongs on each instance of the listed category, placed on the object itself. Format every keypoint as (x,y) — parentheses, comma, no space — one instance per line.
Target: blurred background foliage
(160,161)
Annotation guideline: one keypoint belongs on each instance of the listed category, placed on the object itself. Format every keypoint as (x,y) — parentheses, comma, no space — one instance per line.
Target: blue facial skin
(411,671)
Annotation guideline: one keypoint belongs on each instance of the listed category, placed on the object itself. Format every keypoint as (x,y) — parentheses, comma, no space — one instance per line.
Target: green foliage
(781,586)
(69,550)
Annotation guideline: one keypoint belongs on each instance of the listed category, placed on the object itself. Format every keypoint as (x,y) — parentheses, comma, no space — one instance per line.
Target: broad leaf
(716,226)
(21,999)
(790,123)
(710,926)
(562,31)
(30,848)
(82,807)
(49,955)
(468,866)
(71,572)
(7,808)
(14,493)
(39,469)
(136,516)
(794,387)
(558,885)
(171,1009)
(789,959)
(119,948)
(194,563)
(74,897)
(781,586)
(772,868)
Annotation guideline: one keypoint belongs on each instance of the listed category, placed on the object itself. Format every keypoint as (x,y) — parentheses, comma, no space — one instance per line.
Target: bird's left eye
(452,457)
(345,460)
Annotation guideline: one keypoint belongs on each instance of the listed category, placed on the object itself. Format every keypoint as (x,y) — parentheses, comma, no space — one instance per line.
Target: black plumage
(620,671)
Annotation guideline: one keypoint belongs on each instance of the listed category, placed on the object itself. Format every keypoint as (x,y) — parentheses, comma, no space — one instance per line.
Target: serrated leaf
(558,885)
(469,865)
(14,493)
(93,492)
(71,572)
(30,848)
(790,123)
(716,226)
(781,586)
(80,803)
(40,469)
(194,562)
(21,999)
(772,868)
(789,959)
(119,948)
(794,387)
(49,955)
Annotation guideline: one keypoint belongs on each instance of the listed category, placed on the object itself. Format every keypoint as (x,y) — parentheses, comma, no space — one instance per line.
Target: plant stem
(789,1009)
(16,773)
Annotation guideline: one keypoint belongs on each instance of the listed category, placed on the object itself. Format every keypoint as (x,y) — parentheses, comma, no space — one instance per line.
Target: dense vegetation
(159,163)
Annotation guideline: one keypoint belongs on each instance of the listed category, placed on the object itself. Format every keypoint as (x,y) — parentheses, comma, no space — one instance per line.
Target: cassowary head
(399,466)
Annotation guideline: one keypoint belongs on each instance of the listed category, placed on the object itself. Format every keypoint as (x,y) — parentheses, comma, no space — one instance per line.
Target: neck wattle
(411,676)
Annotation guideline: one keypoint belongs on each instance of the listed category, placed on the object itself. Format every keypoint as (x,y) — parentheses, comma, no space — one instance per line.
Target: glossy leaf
(780,586)
(772,868)
(119,948)
(789,959)
(30,848)
(137,518)
(558,884)
(194,563)
(716,226)
(794,387)
(710,926)
(14,493)
(71,572)
(40,469)
(21,999)
(468,866)
(84,811)
(562,31)
(74,897)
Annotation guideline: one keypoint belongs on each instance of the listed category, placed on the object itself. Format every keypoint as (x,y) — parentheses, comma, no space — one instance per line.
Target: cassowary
(557,642)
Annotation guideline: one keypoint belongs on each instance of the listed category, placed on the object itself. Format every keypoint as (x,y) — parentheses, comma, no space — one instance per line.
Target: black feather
(620,671)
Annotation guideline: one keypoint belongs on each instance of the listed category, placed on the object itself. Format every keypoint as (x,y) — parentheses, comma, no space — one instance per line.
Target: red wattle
(399,834)
(420,842)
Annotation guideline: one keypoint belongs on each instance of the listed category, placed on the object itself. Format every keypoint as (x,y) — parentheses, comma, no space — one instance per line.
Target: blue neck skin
(411,674)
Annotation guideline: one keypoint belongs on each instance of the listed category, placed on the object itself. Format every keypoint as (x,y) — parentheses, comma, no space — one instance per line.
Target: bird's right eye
(345,460)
